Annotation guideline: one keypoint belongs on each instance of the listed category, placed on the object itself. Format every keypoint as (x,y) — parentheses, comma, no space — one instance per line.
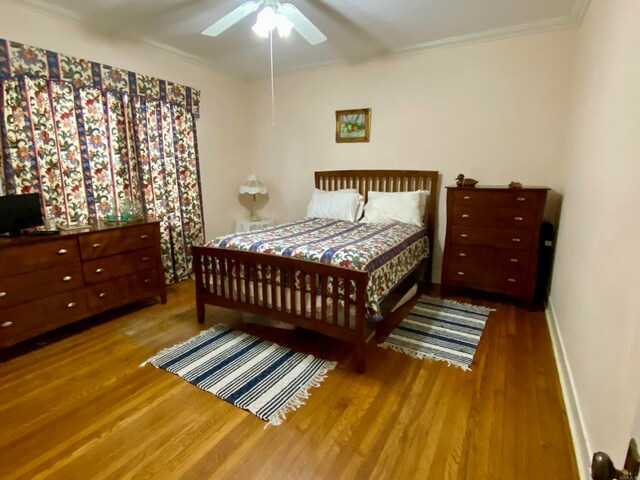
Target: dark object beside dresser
(492,239)
(49,281)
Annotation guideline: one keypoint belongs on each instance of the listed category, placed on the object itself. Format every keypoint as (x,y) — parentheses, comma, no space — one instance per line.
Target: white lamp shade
(253,185)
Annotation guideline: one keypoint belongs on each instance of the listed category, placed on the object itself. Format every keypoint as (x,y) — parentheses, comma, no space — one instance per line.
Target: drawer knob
(96,245)
(464,235)
(516,239)
(467,197)
(99,270)
(3,294)
(144,237)
(62,251)
(465,215)
(462,254)
(518,219)
(462,274)
(512,280)
(6,324)
(513,260)
(67,278)
(102,295)
(147,280)
(71,304)
(521,199)
(145,259)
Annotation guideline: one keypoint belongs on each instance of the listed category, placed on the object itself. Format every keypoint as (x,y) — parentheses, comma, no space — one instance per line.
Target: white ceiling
(357,30)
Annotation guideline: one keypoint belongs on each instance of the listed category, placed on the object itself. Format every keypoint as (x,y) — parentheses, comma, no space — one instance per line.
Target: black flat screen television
(18,212)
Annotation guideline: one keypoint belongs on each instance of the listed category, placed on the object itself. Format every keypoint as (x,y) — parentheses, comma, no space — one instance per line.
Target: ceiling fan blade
(231,18)
(302,24)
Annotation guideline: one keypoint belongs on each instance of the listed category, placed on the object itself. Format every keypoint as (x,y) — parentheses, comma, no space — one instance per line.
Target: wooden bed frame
(246,293)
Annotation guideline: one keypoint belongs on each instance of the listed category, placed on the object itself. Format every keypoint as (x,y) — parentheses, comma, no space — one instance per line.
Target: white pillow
(360,210)
(403,207)
(335,205)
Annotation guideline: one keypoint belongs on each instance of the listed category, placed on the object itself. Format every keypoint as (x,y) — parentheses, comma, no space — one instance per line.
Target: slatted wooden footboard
(323,298)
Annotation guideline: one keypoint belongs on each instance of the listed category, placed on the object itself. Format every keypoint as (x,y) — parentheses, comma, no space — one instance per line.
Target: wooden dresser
(492,239)
(49,281)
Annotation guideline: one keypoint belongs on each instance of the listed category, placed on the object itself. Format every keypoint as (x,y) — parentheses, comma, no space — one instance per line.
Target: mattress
(388,252)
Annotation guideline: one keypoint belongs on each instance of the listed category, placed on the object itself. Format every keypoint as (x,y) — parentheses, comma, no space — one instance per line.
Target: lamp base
(254,216)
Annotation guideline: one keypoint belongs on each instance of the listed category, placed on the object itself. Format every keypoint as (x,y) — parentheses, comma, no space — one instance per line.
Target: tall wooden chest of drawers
(46,282)
(492,239)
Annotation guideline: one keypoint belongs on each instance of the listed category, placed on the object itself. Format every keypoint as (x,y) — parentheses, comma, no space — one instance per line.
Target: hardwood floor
(77,405)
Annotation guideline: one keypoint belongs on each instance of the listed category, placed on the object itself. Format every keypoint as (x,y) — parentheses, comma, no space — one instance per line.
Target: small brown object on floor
(465,182)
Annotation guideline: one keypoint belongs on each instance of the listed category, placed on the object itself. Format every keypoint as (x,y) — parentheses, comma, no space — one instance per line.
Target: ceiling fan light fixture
(284,25)
(265,22)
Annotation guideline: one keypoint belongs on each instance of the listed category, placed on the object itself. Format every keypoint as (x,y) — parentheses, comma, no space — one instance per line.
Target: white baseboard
(576,423)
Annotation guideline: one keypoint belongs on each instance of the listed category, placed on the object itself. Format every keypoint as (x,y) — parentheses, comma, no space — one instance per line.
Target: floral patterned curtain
(93,152)
(165,145)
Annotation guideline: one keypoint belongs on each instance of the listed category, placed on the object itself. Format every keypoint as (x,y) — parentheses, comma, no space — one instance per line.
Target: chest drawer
(29,286)
(525,218)
(497,198)
(30,319)
(490,257)
(37,255)
(112,242)
(96,271)
(492,237)
(122,289)
(490,279)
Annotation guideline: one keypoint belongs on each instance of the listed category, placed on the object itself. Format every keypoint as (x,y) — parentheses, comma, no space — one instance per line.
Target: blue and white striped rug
(259,376)
(440,330)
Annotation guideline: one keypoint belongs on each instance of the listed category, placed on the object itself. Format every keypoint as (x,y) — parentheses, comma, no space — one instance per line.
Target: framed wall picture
(353,125)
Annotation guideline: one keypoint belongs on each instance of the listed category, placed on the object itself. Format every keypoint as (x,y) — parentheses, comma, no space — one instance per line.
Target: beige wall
(494,111)
(597,270)
(224,157)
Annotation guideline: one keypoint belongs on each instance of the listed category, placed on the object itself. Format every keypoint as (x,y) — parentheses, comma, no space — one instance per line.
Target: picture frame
(353,125)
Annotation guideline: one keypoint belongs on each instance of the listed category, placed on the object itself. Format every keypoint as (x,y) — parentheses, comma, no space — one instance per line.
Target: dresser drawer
(37,255)
(96,271)
(492,237)
(30,319)
(491,279)
(497,198)
(122,290)
(490,257)
(43,283)
(112,242)
(524,218)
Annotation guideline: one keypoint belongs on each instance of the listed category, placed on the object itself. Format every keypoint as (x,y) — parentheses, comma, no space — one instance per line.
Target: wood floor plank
(75,403)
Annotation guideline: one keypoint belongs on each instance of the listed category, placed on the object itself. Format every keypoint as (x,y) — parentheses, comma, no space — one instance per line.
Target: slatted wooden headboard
(386,181)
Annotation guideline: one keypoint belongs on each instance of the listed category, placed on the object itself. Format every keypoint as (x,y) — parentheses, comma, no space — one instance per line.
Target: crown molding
(574,19)
(579,9)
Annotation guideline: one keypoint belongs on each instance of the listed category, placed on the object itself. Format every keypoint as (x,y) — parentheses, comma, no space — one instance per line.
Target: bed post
(197,271)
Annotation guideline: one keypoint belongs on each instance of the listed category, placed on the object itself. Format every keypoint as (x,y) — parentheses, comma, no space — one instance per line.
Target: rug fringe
(303,394)
(422,355)
(170,349)
(478,308)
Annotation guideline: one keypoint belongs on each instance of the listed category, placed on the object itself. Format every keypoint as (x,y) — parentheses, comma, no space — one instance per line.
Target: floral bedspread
(388,252)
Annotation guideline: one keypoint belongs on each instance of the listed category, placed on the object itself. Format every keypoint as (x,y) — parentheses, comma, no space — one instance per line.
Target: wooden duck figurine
(465,182)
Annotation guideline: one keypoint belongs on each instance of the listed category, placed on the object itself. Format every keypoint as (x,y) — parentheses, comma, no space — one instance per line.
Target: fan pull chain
(273,94)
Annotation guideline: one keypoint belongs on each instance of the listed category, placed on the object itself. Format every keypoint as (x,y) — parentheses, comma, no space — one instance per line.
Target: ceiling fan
(272,15)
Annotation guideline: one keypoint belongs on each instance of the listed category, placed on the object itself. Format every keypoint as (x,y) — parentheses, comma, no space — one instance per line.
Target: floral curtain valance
(17,59)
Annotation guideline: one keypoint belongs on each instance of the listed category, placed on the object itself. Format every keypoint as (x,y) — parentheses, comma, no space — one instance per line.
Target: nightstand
(248,225)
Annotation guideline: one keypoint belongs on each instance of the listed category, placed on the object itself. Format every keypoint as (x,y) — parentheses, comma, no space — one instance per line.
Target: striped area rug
(440,330)
(259,376)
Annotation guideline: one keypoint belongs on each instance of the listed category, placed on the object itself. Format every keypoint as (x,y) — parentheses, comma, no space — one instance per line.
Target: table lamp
(253,186)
